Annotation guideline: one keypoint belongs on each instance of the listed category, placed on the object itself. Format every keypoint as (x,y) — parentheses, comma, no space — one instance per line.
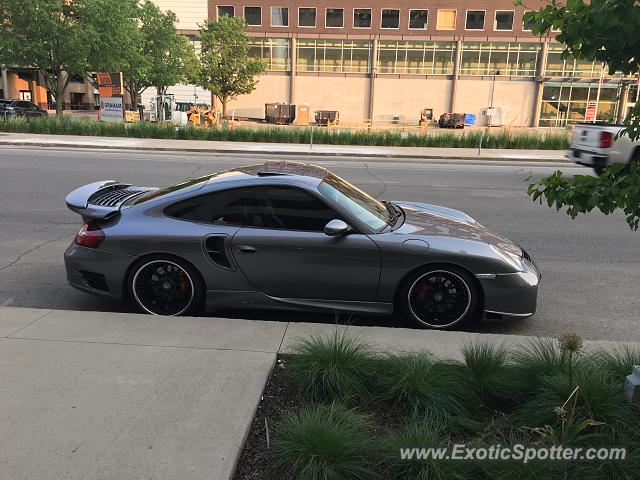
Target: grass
(498,396)
(491,373)
(343,136)
(336,367)
(619,362)
(325,442)
(419,433)
(417,384)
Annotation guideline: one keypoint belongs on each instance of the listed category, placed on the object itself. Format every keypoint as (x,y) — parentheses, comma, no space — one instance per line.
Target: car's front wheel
(165,285)
(439,297)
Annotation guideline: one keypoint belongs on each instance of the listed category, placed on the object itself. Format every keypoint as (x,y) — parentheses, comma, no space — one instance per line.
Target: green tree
(227,71)
(63,38)
(605,31)
(159,56)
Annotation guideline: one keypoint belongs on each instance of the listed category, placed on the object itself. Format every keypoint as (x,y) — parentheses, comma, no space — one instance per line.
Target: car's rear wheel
(599,170)
(439,297)
(165,285)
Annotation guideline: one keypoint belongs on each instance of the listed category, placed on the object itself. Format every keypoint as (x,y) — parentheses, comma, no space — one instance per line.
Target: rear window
(183,187)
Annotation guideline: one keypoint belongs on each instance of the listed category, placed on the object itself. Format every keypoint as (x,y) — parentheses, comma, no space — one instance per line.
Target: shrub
(419,385)
(277,134)
(337,367)
(324,443)
(419,433)
(491,374)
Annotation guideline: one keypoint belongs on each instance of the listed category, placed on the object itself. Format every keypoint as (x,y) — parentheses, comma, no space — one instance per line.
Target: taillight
(606,139)
(90,235)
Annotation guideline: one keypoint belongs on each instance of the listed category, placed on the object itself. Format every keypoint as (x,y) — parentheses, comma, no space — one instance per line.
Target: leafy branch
(617,188)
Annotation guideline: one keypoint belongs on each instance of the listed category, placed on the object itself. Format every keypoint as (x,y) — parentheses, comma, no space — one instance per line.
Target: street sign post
(110,89)
(111,109)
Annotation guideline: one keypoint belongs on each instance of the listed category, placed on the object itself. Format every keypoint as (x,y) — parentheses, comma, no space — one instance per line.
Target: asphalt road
(591,281)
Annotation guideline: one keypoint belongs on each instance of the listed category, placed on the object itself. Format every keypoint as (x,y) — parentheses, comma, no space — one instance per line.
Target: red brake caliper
(423,289)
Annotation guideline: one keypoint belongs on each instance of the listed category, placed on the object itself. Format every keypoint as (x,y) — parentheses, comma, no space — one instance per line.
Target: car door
(284,252)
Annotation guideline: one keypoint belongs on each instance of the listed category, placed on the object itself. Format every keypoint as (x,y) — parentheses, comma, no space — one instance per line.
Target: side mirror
(336,227)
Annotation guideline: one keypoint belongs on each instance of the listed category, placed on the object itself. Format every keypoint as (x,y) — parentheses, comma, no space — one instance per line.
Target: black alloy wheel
(165,286)
(439,298)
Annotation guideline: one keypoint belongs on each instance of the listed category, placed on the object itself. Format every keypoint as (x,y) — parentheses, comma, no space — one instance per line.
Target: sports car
(289,235)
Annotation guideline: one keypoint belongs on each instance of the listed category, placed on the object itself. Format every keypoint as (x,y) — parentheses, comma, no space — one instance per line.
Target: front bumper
(96,271)
(588,159)
(511,294)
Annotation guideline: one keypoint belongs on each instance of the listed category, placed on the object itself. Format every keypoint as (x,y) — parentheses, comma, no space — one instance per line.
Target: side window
(219,208)
(293,209)
(281,208)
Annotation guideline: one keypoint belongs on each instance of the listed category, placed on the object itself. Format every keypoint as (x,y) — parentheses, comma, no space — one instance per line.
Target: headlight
(511,258)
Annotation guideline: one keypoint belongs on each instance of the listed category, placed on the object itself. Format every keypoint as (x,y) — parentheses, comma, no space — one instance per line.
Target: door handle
(246,249)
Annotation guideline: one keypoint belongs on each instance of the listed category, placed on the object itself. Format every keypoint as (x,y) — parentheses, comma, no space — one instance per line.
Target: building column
(5,82)
(293,55)
(372,80)
(456,74)
(540,69)
(89,97)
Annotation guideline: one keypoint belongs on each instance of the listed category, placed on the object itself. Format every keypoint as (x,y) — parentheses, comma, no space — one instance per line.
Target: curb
(280,152)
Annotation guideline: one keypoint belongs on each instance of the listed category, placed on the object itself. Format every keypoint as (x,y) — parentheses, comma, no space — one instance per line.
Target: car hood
(434,220)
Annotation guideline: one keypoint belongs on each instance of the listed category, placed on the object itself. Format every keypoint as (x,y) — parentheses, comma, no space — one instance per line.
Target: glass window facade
(306,17)
(362,18)
(325,55)
(499,58)
(279,17)
(570,67)
(334,17)
(274,52)
(566,102)
(418,19)
(390,18)
(417,58)
(253,16)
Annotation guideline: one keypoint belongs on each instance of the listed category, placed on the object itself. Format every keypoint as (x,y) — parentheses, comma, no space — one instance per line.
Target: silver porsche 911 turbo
(292,236)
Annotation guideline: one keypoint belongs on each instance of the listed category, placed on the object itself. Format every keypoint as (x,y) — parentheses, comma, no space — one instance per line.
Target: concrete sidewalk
(71,141)
(115,396)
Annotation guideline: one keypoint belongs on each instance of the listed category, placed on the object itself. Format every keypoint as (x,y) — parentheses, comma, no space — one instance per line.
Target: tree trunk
(133,92)
(224,107)
(61,86)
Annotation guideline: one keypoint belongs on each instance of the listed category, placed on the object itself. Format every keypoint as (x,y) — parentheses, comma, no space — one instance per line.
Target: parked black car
(20,108)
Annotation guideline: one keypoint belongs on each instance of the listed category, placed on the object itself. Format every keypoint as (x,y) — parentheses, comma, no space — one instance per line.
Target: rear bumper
(587,158)
(512,294)
(96,271)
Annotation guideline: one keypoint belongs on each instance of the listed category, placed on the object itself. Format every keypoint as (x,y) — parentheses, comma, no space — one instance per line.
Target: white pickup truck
(596,145)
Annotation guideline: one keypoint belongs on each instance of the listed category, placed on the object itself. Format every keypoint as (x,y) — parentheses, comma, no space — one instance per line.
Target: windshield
(359,204)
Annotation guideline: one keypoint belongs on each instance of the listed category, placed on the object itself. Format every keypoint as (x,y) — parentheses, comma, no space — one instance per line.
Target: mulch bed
(256,462)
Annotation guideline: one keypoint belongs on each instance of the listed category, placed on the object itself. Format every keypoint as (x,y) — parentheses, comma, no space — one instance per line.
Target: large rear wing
(103,199)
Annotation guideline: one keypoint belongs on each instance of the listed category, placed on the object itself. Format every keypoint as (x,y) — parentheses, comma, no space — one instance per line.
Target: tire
(165,285)
(426,298)
(599,170)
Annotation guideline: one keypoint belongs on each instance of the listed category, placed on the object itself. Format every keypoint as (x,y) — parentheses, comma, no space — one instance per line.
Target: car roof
(303,172)
(286,168)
